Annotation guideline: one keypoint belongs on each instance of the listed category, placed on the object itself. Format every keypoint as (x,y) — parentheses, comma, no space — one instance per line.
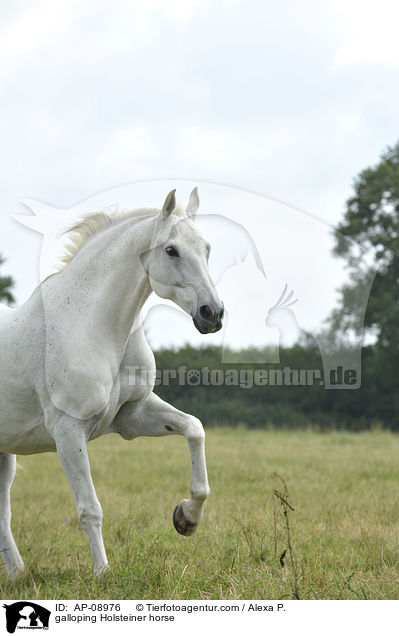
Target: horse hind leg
(8,549)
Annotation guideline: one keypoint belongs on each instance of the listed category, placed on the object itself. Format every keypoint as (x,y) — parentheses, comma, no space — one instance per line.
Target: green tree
(6,283)
(369,241)
(371,221)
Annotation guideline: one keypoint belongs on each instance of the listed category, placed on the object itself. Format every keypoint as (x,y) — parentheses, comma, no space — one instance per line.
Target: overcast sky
(289,100)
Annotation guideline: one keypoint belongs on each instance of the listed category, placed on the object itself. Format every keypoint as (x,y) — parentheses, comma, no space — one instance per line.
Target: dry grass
(343,533)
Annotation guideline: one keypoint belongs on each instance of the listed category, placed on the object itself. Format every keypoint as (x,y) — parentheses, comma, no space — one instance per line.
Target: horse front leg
(155,418)
(71,438)
(188,513)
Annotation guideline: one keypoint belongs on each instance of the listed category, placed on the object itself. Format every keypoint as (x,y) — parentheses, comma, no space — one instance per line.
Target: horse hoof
(183,525)
(101,571)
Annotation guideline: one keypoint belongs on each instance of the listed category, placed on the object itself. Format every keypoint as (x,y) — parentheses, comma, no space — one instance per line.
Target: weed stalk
(287,507)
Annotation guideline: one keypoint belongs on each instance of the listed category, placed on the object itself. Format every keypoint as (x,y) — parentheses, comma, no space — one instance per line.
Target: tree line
(262,404)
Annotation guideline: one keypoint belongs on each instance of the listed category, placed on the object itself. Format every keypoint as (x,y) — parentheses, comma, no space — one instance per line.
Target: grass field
(344,531)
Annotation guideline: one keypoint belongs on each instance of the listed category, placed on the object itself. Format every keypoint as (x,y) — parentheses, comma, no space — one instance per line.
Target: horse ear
(193,203)
(170,204)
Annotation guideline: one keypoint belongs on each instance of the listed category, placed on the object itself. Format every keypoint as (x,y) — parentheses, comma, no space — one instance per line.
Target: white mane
(97,222)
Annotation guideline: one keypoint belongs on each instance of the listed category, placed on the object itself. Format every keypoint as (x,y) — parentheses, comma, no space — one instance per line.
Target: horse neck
(112,285)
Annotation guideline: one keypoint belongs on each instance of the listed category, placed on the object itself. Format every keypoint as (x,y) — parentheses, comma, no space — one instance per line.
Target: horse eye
(172,251)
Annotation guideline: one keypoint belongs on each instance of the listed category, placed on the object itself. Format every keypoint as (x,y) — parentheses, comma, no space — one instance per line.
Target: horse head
(177,264)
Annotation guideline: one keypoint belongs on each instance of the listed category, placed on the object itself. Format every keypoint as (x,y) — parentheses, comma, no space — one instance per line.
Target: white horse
(67,356)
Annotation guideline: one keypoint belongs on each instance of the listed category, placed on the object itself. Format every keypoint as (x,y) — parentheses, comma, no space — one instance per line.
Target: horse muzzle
(208,319)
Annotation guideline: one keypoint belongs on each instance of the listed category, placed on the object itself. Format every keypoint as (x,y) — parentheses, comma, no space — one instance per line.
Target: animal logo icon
(26,615)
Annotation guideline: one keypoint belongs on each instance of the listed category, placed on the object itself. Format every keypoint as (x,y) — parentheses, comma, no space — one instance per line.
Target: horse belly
(28,438)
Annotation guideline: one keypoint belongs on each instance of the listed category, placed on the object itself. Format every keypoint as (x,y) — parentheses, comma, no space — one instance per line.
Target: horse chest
(137,370)
(136,383)
(129,387)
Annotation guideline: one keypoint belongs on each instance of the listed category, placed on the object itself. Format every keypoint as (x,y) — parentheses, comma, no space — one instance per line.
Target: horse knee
(90,515)
(194,432)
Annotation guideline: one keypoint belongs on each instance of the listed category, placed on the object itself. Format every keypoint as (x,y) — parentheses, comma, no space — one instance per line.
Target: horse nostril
(206,313)
(221,313)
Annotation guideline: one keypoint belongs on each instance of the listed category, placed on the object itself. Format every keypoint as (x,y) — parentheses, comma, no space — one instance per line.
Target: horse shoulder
(81,380)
